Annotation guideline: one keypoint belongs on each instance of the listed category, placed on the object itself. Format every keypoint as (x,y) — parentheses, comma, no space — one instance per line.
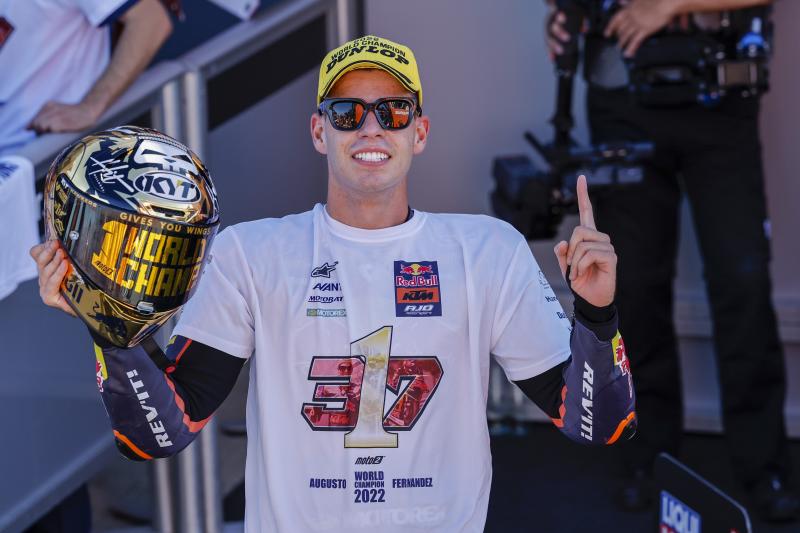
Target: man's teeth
(371,156)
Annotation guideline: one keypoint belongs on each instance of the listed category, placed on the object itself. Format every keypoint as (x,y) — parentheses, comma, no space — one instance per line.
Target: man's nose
(371,127)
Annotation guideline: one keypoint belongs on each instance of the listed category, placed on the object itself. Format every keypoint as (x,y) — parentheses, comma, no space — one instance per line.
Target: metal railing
(174,95)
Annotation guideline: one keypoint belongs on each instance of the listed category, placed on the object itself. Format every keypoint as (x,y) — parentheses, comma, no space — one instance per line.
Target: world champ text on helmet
(136,212)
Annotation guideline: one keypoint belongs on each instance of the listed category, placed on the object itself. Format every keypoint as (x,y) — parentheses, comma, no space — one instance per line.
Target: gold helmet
(136,212)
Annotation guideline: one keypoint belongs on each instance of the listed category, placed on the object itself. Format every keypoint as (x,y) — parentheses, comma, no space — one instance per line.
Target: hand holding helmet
(134,213)
(53,265)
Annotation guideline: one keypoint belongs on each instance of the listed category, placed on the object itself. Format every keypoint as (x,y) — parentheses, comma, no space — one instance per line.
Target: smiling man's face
(369,160)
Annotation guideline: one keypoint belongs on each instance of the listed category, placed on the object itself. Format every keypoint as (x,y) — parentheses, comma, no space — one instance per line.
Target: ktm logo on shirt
(418,295)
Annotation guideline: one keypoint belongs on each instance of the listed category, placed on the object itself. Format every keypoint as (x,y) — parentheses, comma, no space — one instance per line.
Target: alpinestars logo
(324,271)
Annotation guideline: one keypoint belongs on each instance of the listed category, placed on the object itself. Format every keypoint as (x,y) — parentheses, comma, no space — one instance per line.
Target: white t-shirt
(19,212)
(49,50)
(386,331)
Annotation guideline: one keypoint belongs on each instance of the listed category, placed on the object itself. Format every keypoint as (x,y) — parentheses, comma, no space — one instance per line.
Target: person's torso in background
(608,70)
(52,50)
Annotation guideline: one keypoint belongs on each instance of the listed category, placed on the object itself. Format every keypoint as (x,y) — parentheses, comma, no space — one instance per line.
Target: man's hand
(590,256)
(55,117)
(52,263)
(637,21)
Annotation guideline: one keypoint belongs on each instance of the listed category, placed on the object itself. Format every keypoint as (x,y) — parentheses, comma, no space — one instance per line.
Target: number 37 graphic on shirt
(351,392)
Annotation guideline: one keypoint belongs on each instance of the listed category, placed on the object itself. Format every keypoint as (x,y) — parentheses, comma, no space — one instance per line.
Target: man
(713,155)
(370,327)
(55,56)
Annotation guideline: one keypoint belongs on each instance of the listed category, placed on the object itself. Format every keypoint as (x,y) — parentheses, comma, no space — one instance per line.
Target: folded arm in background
(145,27)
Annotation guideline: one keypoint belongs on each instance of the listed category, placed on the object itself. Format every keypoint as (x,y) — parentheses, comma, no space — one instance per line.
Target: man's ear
(318,133)
(422,126)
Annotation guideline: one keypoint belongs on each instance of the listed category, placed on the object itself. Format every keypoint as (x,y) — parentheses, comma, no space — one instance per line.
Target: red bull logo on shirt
(415,269)
(621,360)
(676,516)
(417,291)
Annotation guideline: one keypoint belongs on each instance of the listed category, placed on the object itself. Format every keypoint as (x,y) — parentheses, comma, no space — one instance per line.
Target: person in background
(58,70)
(713,155)
(365,299)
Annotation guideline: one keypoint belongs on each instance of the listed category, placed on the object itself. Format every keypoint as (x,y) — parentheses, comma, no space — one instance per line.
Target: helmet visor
(149,264)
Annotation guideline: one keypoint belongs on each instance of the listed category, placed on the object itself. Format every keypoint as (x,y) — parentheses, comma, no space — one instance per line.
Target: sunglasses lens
(346,115)
(394,114)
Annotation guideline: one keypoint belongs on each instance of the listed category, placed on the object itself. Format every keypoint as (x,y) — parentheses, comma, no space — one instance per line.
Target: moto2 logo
(168,186)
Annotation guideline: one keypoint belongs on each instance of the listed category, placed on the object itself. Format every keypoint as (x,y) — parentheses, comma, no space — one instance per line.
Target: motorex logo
(676,516)
(168,185)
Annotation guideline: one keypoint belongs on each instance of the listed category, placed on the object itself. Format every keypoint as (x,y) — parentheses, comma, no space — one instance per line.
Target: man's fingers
(44,253)
(603,259)
(613,24)
(636,41)
(41,116)
(49,119)
(557,29)
(584,248)
(554,48)
(625,36)
(584,204)
(561,254)
(49,292)
(38,249)
(581,234)
(51,267)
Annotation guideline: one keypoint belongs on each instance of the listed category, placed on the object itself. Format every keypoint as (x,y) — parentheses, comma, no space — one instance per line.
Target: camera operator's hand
(590,256)
(555,33)
(52,263)
(637,21)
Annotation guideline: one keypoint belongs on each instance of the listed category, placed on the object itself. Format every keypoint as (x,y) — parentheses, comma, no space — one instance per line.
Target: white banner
(19,219)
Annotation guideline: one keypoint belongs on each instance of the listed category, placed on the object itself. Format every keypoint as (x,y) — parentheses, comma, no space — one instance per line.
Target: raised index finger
(584,205)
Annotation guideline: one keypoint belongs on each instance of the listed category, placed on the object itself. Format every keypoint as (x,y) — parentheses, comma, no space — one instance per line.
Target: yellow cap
(370,52)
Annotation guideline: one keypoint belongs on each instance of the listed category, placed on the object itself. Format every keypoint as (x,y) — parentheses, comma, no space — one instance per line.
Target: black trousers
(714,157)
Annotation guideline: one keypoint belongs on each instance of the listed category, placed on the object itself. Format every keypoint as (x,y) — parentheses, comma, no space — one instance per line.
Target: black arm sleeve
(545,389)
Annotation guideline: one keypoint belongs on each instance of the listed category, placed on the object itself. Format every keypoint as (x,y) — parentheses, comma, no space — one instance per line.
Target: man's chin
(372,183)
